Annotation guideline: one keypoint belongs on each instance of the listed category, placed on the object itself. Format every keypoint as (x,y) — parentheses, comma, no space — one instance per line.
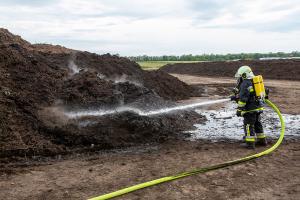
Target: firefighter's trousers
(253,127)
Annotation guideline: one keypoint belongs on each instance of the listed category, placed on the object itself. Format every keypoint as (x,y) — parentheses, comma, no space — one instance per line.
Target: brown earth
(275,176)
(272,69)
(37,79)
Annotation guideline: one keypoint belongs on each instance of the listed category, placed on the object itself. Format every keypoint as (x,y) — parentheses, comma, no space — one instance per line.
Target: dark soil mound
(272,69)
(37,82)
(163,84)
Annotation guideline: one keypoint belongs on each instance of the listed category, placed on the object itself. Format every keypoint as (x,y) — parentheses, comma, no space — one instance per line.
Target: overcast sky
(157,27)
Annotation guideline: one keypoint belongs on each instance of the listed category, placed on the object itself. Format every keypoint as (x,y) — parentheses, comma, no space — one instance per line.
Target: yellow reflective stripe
(250,89)
(257,109)
(260,135)
(248,129)
(241,103)
(251,139)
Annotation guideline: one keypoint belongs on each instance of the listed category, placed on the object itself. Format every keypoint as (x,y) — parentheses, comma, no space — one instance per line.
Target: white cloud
(134,27)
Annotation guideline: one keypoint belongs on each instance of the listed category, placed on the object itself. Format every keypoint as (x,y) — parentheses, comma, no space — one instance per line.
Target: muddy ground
(275,176)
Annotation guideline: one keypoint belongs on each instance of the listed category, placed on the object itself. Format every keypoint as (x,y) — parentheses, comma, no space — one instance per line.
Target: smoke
(53,116)
(72,66)
(120,79)
(139,111)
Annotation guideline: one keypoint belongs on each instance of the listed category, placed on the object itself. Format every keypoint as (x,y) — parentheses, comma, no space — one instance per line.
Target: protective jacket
(247,101)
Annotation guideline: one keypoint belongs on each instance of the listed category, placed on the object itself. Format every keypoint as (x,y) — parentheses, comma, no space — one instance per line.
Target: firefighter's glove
(239,113)
(233,98)
(235,90)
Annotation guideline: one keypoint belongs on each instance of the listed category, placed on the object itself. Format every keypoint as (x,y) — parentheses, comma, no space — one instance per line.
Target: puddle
(224,124)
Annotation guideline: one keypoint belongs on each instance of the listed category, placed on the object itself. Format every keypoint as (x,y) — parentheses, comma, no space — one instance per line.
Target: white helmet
(245,72)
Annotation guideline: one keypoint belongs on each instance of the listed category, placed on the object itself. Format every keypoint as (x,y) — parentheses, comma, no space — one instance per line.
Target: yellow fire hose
(201,170)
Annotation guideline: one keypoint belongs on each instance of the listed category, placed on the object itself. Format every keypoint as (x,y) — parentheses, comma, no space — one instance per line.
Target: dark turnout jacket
(247,100)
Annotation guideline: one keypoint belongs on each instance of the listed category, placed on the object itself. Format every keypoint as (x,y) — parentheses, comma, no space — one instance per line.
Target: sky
(157,27)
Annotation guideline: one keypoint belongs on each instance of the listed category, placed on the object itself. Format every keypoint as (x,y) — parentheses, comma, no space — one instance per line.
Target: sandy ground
(276,176)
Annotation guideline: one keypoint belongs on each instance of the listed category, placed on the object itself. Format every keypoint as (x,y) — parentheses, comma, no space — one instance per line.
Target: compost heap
(38,82)
(285,69)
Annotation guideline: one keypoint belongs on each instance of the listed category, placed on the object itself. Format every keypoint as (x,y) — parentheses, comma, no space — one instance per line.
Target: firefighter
(249,107)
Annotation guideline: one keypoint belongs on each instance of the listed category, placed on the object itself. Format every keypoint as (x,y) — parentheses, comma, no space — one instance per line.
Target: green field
(152,65)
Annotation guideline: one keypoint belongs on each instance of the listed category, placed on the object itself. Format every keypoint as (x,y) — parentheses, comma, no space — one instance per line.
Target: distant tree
(215,57)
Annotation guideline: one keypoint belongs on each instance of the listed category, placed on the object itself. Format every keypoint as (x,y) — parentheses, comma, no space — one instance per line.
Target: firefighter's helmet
(244,72)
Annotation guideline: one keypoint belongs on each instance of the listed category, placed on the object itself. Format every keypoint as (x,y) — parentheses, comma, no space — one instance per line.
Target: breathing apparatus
(259,87)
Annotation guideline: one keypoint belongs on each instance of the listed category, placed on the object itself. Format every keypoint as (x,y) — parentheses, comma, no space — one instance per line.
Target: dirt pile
(38,81)
(271,69)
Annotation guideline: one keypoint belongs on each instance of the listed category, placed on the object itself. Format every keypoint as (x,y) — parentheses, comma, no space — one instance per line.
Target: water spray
(96,113)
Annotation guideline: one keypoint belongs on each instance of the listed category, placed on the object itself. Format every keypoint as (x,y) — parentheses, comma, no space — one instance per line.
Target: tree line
(216,57)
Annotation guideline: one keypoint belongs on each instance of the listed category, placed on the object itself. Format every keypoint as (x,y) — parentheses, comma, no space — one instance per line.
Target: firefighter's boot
(250,141)
(261,139)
